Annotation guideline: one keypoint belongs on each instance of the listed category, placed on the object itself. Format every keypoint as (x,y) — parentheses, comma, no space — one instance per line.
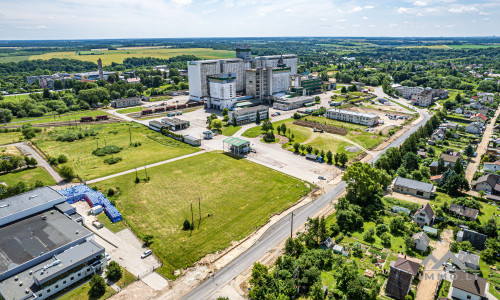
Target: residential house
(491,166)
(436,179)
(438,134)
(421,241)
(413,187)
(479,118)
(476,239)
(133,80)
(467,286)
(422,99)
(459,111)
(398,284)
(433,166)
(469,113)
(475,104)
(464,211)
(470,260)
(406,265)
(424,215)
(486,183)
(451,159)
(474,128)
(484,111)
(486,97)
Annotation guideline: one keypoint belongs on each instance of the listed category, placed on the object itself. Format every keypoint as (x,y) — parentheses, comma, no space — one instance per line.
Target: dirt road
(481,149)
(427,287)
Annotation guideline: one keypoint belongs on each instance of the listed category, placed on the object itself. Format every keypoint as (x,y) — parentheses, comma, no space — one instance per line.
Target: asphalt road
(281,229)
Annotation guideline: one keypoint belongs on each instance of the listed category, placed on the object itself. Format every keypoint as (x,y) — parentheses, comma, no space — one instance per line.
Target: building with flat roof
(222,91)
(249,115)
(236,145)
(292,103)
(174,124)
(126,102)
(352,116)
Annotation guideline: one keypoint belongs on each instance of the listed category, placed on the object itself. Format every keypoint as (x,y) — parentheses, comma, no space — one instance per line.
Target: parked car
(322,177)
(98,224)
(146,254)
(107,256)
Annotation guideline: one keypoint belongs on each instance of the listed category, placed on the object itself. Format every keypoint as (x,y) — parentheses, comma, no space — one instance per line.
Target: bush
(112,160)
(106,150)
(62,159)
(53,161)
(97,286)
(67,173)
(111,192)
(114,271)
(186,225)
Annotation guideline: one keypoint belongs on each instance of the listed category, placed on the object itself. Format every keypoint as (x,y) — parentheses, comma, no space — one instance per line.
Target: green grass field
(115,227)
(81,293)
(73,116)
(16,98)
(237,196)
(118,56)
(229,130)
(129,110)
(14,58)
(10,137)
(127,278)
(473,46)
(28,176)
(155,147)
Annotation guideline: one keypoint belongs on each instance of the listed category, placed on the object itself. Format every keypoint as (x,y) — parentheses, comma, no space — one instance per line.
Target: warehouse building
(43,248)
(174,124)
(249,115)
(126,102)
(292,103)
(352,116)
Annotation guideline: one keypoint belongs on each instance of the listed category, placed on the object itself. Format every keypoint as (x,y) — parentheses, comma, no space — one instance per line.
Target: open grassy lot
(15,98)
(115,227)
(118,56)
(129,110)
(229,130)
(237,196)
(82,293)
(10,137)
(28,176)
(154,147)
(127,278)
(51,117)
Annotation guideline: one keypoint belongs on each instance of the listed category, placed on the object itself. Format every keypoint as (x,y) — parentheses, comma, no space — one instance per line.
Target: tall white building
(222,91)
(198,71)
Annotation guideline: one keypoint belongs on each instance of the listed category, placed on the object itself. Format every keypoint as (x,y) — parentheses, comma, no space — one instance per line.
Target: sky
(109,19)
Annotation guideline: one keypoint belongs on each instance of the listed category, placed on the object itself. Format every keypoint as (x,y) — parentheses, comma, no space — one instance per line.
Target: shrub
(67,173)
(62,159)
(106,150)
(111,192)
(53,161)
(97,286)
(186,225)
(112,160)
(114,271)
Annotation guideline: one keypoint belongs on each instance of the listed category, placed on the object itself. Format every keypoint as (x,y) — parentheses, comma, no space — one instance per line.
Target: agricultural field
(10,137)
(147,145)
(117,56)
(473,46)
(237,196)
(356,136)
(28,176)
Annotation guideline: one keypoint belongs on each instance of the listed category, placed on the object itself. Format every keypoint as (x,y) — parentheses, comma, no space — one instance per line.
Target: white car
(98,224)
(146,254)
(107,257)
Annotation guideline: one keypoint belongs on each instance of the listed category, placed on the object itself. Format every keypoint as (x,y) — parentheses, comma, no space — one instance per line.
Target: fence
(149,271)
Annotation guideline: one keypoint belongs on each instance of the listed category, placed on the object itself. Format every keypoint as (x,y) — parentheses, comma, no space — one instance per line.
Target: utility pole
(192,220)
(291,227)
(130,134)
(199,209)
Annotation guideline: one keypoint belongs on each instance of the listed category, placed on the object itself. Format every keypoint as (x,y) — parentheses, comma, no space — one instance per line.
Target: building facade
(249,115)
(126,102)
(222,91)
(352,117)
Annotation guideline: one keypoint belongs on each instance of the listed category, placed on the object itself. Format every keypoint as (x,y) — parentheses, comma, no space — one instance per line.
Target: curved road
(281,229)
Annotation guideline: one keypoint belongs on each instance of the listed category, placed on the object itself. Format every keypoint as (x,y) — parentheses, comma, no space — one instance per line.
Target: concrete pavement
(29,151)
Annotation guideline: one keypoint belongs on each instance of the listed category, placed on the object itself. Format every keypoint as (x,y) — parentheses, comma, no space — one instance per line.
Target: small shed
(327,244)
(191,140)
(338,249)
(398,209)
(430,230)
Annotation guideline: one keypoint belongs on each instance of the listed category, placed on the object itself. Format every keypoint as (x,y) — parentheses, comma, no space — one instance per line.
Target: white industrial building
(43,248)
(268,74)
(352,116)
(222,91)
(407,91)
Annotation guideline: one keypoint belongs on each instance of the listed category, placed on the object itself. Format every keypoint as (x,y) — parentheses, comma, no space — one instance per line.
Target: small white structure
(352,117)
(96,210)
(421,241)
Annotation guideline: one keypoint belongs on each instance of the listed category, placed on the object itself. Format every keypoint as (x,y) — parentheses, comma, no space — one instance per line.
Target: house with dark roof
(464,211)
(486,183)
(413,187)
(450,159)
(476,239)
(470,260)
(421,241)
(398,284)
(467,286)
(424,215)
(406,265)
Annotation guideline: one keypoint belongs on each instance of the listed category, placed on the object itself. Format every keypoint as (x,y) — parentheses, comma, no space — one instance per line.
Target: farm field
(67,117)
(9,137)
(118,56)
(325,141)
(13,58)
(28,176)
(154,147)
(473,46)
(237,196)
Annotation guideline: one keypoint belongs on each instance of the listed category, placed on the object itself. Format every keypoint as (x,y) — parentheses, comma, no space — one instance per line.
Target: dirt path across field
(481,149)
(427,287)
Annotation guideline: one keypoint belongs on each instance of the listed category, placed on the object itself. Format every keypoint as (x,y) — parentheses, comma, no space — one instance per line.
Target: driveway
(27,150)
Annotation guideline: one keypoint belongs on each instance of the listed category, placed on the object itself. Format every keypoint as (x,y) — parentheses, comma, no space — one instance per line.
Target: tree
(131,93)
(216,124)
(469,151)
(296,147)
(186,225)
(234,120)
(458,167)
(225,119)
(317,99)
(369,235)
(317,292)
(267,125)
(408,243)
(114,271)
(343,159)
(440,167)
(343,90)
(283,128)
(46,93)
(410,161)
(257,118)
(147,239)
(309,149)
(67,173)
(329,156)
(97,286)
(455,184)
(364,185)
(225,111)
(5,115)
(62,159)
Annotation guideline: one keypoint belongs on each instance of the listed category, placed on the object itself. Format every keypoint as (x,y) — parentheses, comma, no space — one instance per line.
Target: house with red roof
(479,117)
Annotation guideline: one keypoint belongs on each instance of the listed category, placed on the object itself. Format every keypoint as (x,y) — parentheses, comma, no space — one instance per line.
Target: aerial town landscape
(315,167)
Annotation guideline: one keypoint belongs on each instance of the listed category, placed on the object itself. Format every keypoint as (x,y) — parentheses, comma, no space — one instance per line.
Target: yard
(28,176)
(153,147)
(237,196)
(229,130)
(81,293)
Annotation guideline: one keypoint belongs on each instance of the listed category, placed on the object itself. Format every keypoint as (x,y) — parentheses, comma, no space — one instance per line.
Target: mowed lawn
(154,148)
(118,56)
(237,196)
(28,176)
(51,117)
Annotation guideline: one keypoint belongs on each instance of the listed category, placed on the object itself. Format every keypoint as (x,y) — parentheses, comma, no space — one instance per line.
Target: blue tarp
(93,198)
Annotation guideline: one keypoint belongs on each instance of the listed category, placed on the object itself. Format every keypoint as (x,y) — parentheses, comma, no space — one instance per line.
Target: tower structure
(99,67)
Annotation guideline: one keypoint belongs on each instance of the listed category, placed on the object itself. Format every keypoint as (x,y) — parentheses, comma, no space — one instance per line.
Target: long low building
(352,116)
(249,115)
(43,249)
(292,103)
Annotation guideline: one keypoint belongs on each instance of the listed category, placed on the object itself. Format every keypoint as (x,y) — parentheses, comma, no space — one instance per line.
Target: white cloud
(392,25)
(449,26)
(356,9)
(420,3)
(462,9)
(339,10)
(486,19)
(208,11)
(482,13)
(288,10)
(403,10)
(341,20)
(182,2)
(369,7)
(365,18)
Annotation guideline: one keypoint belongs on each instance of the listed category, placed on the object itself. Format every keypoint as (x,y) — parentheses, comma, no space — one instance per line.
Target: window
(64,282)
(79,274)
(48,291)
(72,278)
(40,295)
(468,297)
(57,286)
